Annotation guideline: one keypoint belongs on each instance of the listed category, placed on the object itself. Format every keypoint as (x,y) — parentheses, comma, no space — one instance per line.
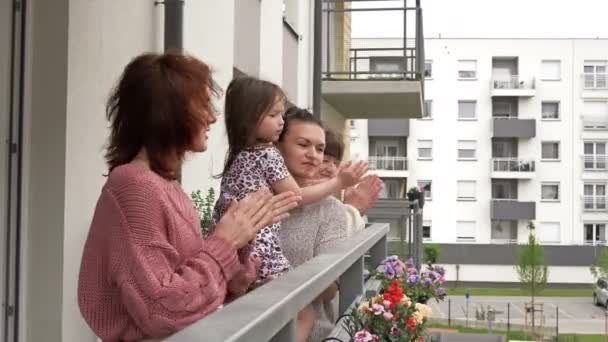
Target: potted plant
(204,206)
(415,194)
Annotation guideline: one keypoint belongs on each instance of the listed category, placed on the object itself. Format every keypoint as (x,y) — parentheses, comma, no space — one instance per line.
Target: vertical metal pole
(449,312)
(318,58)
(378,252)
(328,41)
(417,236)
(508,317)
(351,284)
(287,333)
(355,66)
(557,321)
(174,25)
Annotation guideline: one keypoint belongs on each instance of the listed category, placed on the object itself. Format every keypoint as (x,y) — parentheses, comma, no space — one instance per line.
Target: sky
(491,19)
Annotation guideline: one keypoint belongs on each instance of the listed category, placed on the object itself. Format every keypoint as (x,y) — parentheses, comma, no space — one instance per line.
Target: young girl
(254,121)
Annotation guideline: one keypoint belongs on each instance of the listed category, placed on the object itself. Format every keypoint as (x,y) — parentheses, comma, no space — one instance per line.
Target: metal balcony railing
(513,82)
(595,161)
(269,313)
(513,165)
(388,163)
(595,80)
(595,203)
(341,61)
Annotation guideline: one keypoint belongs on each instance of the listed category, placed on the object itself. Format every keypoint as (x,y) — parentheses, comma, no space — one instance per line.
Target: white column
(271,41)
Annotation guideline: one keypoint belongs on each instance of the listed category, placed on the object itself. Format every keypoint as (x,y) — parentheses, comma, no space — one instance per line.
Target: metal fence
(371,58)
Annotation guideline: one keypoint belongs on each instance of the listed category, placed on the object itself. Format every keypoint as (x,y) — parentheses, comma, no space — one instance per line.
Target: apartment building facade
(513,132)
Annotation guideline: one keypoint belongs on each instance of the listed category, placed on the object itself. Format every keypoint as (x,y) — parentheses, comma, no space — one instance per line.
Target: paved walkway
(576,315)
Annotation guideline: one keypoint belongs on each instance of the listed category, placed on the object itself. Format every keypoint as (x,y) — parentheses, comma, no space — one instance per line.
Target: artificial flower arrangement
(399,313)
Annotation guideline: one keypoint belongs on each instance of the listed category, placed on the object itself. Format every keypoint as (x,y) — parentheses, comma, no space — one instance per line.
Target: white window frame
(559,192)
(474,117)
(549,242)
(544,77)
(466,237)
(462,68)
(428,195)
(427,108)
(559,114)
(598,79)
(460,148)
(430,75)
(595,227)
(559,152)
(598,201)
(430,147)
(460,197)
(598,161)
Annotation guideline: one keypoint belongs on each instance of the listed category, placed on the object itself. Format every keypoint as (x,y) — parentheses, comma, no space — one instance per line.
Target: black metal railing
(402,60)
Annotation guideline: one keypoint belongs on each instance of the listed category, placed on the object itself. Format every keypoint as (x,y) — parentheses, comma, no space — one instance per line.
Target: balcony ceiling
(374,99)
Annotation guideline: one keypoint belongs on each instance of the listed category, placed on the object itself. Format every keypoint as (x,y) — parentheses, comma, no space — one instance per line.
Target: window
(549,192)
(595,74)
(425,149)
(595,114)
(426,230)
(352,123)
(467,69)
(466,190)
(549,232)
(425,185)
(394,188)
(387,66)
(594,196)
(550,150)
(594,155)
(504,231)
(551,70)
(503,110)
(467,150)
(428,68)
(595,233)
(550,110)
(428,109)
(466,110)
(465,231)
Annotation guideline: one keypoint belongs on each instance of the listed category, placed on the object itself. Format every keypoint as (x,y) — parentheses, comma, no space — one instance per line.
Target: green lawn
(522,336)
(549,292)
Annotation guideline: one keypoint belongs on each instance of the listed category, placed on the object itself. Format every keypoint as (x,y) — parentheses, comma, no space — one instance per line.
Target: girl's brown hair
(161,103)
(247,99)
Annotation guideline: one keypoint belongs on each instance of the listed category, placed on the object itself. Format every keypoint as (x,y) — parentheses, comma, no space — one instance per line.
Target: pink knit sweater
(145,271)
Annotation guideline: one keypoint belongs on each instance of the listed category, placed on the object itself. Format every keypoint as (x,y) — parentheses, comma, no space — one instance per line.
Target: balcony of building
(512,209)
(506,121)
(513,168)
(595,80)
(503,232)
(372,81)
(595,162)
(506,80)
(595,203)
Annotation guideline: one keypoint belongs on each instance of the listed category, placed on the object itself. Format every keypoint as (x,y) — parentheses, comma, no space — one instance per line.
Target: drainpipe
(317,60)
(174,25)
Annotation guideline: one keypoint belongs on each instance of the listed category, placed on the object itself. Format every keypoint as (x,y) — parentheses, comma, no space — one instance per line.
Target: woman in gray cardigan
(315,229)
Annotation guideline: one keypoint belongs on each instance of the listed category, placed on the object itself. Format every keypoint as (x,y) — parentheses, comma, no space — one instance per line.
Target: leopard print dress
(251,170)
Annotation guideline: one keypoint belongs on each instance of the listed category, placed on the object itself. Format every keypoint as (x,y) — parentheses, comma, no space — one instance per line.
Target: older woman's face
(302,148)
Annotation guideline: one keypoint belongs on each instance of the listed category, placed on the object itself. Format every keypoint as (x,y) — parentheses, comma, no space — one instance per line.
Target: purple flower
(433,275)
(409,262)
(393,267)
(441,292)
(428,282)
(412,279)
(440,270)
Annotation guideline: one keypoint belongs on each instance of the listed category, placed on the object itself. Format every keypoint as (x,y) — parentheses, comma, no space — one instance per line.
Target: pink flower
(388,316)
(364,336)
(386,303)
(441,279)
(377,309)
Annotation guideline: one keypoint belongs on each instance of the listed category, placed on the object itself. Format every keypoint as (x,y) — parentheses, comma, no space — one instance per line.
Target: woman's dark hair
(247,99)
(334,145)
(297,114)
(161,103)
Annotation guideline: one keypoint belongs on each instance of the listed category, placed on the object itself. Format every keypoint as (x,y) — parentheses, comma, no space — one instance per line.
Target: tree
(532,268)
(600,269)
(432,253)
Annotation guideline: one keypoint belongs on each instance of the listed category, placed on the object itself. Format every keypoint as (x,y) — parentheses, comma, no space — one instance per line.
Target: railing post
(351,284)
(287,334)
(378,252)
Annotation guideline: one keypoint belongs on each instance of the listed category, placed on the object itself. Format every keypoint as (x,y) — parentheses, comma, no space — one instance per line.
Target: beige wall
(335,121)
(71,70)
